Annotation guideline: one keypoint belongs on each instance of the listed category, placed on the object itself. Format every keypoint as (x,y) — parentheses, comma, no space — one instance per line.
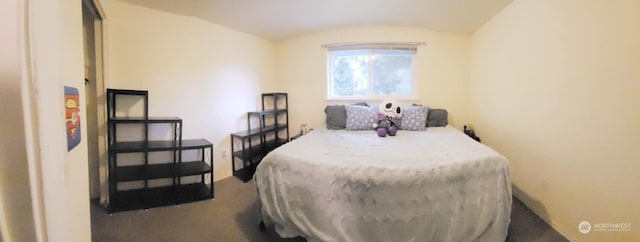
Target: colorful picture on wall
(72,116)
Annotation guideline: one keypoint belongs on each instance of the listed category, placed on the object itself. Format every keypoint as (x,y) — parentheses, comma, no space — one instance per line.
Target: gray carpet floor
(232,216)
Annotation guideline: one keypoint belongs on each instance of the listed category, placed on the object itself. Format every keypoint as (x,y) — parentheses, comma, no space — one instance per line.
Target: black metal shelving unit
(173,171)
(248,147)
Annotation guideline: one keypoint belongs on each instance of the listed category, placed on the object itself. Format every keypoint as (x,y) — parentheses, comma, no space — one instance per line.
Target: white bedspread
(434,185)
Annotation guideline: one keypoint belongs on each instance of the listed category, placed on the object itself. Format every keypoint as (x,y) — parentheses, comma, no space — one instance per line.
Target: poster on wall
(72,116)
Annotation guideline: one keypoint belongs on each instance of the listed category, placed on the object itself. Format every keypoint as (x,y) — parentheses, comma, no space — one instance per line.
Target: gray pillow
(437,118)
(337,115)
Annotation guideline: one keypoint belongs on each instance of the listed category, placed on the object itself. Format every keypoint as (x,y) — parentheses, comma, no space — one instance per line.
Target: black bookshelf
(249,146)
(172,171)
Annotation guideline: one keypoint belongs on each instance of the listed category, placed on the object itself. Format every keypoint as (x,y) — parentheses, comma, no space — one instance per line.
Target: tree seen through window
(362,73)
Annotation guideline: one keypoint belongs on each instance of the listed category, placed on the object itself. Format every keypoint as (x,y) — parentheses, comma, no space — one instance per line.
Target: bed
(432,185)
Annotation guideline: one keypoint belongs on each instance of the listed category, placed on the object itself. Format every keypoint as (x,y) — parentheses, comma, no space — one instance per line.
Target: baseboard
(520,195)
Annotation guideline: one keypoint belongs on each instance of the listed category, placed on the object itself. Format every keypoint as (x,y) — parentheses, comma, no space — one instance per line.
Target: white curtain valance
(409,46)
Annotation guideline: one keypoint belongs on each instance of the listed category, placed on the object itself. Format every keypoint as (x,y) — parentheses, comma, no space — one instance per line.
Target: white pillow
(414,118)
(360,117)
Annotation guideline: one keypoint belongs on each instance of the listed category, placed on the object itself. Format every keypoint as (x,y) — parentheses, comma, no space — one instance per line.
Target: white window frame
(412,47)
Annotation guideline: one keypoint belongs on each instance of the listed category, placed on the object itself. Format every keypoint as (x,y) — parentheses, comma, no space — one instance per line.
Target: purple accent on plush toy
(393,130)
(389,118)
(382,132)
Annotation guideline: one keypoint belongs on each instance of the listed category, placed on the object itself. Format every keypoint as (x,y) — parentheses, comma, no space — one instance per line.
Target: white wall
(441,75)
(16,215)
(555,88)
(204,73)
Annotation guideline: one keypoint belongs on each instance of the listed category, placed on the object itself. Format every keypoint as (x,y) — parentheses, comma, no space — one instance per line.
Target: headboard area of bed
(337,115)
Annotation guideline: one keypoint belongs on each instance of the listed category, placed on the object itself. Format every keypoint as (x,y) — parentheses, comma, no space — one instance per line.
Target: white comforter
(434,185)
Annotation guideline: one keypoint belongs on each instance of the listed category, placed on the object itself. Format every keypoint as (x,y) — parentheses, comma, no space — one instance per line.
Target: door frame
(100,47)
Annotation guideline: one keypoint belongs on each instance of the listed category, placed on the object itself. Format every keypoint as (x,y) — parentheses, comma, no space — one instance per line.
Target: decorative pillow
(337,115)
(437,118)
(360,117)
(414,118)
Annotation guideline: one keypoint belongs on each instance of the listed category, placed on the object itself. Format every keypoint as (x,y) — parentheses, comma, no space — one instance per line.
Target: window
(372,71)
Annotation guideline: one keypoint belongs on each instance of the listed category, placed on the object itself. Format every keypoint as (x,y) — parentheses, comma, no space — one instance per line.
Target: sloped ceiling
(277,20)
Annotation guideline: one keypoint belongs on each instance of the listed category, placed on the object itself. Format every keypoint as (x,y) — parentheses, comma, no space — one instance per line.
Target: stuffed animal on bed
(389,114)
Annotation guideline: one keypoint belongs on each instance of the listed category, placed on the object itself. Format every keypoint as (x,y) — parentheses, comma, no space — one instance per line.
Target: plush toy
(389,114)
